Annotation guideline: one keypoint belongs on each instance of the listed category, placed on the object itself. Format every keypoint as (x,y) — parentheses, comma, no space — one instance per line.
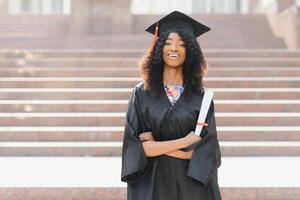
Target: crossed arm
(171,148)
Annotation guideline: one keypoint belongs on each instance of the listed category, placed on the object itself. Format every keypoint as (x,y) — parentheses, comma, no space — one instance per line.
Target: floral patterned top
(173,92)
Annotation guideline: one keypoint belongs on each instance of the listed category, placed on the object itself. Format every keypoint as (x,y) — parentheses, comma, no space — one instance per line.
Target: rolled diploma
(208,96)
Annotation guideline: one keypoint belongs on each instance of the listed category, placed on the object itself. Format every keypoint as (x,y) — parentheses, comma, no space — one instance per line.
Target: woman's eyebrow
(173,38)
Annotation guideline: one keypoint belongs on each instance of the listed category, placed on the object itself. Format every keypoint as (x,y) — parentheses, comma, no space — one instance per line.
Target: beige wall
(286,25)
(284,18)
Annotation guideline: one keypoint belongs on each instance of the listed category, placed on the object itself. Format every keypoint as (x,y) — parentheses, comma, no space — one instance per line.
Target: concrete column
(111,17)
(3,7)
(101,13)
(80,17)
(122,17)
(100,17)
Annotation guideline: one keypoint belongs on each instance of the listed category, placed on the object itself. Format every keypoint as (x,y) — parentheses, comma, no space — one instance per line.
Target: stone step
(228,148)
(39,72)
(121,106)
(131,62)
(38,28)
(104,193)
(37,34)
(216,21)
(98,178)
(33,26)
(40,40)
(109,136)
(125,93)
(136,53)
(126,82)
(34,41)
(120,129)
(118,119)
(31,18)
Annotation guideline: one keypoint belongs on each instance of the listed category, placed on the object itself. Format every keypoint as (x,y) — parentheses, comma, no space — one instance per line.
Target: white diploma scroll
(208,96)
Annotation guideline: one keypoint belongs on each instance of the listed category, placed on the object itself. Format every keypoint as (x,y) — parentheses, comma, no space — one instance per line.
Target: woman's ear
(204,69)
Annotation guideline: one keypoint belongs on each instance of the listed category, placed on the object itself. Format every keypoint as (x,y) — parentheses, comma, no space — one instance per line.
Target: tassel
(202,124)
(154,39)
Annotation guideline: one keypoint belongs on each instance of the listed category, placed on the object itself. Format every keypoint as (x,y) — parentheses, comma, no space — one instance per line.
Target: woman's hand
(154,148)
(192,138)
(190,154)
(187,155)
(146,136)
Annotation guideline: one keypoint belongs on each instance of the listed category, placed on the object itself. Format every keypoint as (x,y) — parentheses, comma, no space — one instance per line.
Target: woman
(162,158)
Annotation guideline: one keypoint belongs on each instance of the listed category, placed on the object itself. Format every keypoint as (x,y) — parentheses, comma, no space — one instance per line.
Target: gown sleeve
(206,157)
(134,160)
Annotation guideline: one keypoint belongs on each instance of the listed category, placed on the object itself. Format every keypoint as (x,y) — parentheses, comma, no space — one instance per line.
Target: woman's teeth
(173,56)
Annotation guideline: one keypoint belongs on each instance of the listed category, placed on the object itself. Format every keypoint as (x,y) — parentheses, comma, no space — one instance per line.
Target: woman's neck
(173,76)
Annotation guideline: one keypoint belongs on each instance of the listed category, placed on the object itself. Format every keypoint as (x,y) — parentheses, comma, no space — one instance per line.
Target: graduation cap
(174,22)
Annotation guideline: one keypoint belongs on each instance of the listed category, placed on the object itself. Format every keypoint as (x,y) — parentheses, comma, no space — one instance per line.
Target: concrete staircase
(68,106)
(51,97)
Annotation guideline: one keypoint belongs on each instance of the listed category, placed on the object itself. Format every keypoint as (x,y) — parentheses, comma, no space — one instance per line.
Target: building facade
(94,17)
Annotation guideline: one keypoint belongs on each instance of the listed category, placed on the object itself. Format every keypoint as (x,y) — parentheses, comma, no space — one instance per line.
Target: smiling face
(174,52)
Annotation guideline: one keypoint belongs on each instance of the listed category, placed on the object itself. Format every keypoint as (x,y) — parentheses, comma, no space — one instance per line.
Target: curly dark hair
(152,64)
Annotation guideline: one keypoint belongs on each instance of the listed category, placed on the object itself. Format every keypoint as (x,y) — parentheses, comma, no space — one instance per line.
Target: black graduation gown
(165,177)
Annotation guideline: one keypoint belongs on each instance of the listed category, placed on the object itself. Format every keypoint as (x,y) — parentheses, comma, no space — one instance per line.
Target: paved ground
(105,172)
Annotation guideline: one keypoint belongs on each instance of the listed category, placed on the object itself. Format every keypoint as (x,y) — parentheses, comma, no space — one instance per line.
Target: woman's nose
(174,47)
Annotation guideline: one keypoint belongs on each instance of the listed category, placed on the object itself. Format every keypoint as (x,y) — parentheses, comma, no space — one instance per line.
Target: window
(39,7)
(190,6)
(160,6)
(26,5)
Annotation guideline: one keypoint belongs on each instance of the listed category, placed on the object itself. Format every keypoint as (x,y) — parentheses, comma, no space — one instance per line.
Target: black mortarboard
(177,21)
(174,22)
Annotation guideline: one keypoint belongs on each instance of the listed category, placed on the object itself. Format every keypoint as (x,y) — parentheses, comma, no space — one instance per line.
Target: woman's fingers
(191,138)
(146,136)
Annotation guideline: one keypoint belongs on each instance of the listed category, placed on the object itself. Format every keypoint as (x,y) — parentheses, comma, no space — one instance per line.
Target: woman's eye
(168,44)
